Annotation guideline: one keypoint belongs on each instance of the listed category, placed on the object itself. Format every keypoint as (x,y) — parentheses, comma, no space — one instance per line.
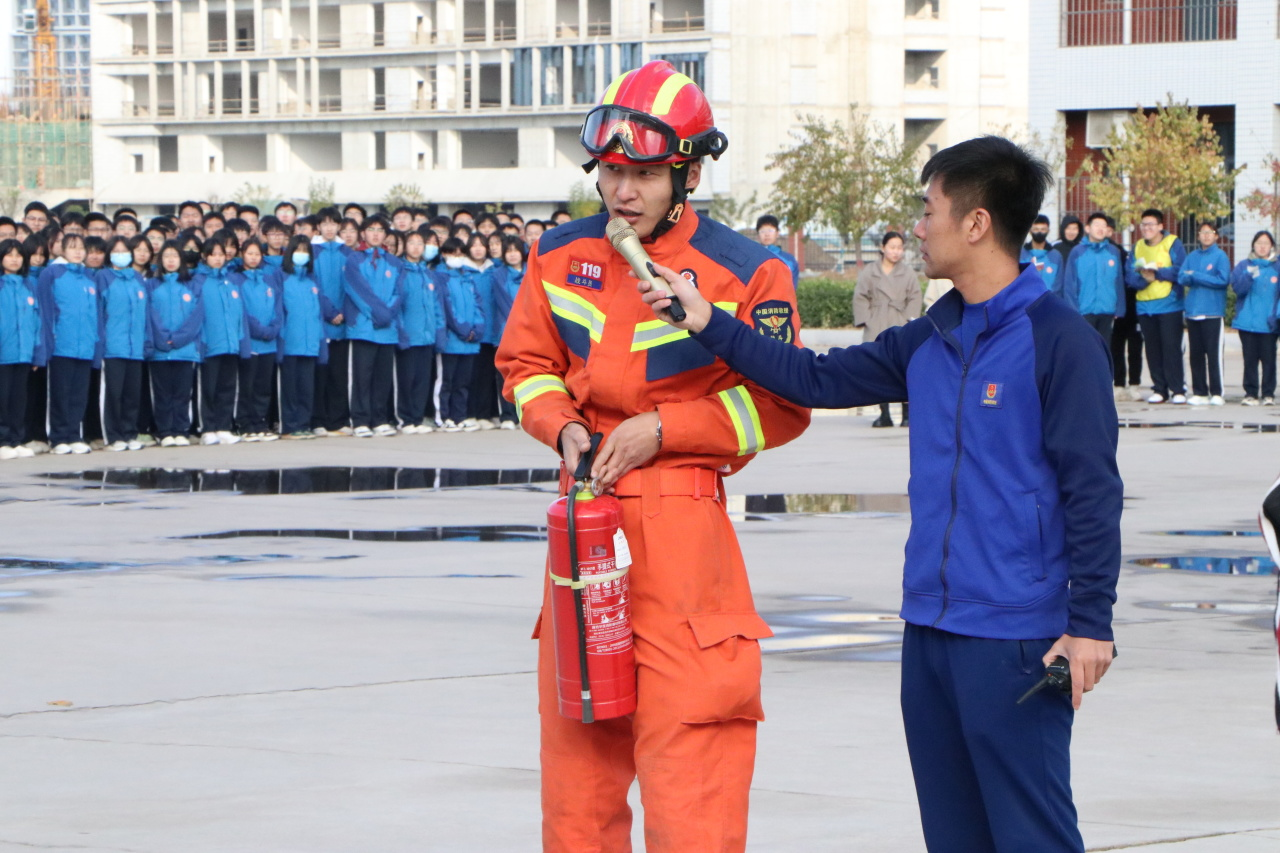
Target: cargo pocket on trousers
(724,668)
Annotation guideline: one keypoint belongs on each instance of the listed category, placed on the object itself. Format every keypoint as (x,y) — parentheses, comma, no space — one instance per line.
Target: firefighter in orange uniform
(582,353)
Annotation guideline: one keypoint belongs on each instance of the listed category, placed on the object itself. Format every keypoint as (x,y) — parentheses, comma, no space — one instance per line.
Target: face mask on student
(455,261)
(120,260)
(301,259)
(430,252)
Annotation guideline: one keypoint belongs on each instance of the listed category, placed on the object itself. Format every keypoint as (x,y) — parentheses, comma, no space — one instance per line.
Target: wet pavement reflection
(303,481)
(1215,565)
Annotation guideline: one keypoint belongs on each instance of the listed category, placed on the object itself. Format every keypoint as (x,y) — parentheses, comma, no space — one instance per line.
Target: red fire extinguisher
(591,601)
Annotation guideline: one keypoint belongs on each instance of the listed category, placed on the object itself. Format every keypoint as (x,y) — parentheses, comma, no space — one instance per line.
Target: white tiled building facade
(480,100)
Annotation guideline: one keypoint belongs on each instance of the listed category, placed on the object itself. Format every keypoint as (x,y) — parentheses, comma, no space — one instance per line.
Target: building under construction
(45,126)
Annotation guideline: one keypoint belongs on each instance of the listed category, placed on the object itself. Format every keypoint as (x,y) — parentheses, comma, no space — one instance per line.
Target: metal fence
(1090,23)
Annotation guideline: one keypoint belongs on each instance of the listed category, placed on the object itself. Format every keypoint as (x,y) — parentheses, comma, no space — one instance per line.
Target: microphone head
(617,230)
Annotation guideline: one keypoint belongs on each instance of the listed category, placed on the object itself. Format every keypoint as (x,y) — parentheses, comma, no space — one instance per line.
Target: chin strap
(679,194)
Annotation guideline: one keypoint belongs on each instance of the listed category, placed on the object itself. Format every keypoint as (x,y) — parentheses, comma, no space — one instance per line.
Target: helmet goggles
(641,138)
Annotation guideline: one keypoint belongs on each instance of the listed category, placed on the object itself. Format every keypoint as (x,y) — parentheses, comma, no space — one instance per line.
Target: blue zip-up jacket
(371,296)
(421,320)
(1134,280)
(263,308)
(330,264)
(506,283)
(125,301)
(484,292)
(176,317)
(1049,264)
(463,311)
(1015,495)
(1205,274)
(273,262)
(305,314)
(1256,295)
(225,330)
(788,259)
(1092,282)
(68,298)
(21,338)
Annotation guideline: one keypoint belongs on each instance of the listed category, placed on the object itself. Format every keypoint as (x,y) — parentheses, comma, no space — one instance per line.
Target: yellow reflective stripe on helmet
(667,94)
(746,420)
(657,332)
(575,309)
(612,91)
(536,386)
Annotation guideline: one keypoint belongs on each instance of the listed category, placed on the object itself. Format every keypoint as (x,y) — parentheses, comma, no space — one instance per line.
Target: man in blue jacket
(1047,260)
(1014,547)
(1092,281)
(767,231)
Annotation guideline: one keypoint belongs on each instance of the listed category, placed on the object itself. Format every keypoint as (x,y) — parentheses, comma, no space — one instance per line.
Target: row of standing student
(240,313)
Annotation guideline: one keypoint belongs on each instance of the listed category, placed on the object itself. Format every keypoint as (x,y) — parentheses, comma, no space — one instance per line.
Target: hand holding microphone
(627,243)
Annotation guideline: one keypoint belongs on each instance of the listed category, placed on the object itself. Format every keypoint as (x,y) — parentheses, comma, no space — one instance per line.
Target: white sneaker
(1197,400)
(62,449)
(80,447)
(384,430)
(1156,398)
(1268,401)
(408,429)
(344,431)
(227,437)
(1178,399)
(486,424)
(450,426)
(362,432)
(269,436)
(97,444)
(1136,394)
(470,425)
(251,436)
(427,428)
(1216,400)
(181,441)
(135,445)
(209,438)
(507,425)
(168,441)
(320,432)
(24,452)
(1249,401)
(117,446)
(8,452)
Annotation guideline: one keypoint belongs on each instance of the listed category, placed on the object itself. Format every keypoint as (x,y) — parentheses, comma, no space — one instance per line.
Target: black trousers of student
(415,381)
(1163,336)
(256,379)
(297,392)
(1259,351)
(1204,341)
(146,417)
(93,408)
(37,404)
(456,385)
(123,380)
(68,391)
(1126,340)
(331,410)
(171,396)
(371,371)
(13,403)
(218,375)
(1102,324)
(485,387)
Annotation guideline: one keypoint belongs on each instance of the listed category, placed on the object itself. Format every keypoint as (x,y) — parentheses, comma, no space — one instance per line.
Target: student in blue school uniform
(1092,280)
(464,329)
(225,343)
(69,301)
(486,385)
(21,346)
(307,312)
(421,325)
(123,292)
(1254,281)
(274,237)
(371,304)
(1205,275)
(259,285)
(505,283)
(332,412)
(36,437)
(176,317)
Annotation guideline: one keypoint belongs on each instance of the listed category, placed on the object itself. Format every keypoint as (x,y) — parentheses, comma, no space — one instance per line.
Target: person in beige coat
(887,294)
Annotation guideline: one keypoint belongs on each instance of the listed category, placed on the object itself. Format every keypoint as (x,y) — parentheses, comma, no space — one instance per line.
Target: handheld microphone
(627,243)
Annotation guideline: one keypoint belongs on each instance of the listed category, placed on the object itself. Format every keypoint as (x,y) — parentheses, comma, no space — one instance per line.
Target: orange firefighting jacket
(580,345)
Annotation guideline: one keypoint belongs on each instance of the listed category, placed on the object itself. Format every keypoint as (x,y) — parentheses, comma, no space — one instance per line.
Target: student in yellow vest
(1153,274)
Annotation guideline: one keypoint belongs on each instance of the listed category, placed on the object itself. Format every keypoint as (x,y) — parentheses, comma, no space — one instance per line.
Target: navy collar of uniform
(1012,300)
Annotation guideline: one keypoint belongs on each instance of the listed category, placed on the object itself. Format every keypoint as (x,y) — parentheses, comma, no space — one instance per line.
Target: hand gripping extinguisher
(591,601)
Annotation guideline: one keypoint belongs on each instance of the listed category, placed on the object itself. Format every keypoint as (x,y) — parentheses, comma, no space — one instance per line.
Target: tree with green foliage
(258,195)
(1267,204)
(584,201)
(320,194)
(848,176)
(403,195)
(728,210)
(1169,159)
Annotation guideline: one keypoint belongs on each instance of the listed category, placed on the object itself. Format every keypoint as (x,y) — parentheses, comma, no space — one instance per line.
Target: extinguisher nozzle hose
(579,604)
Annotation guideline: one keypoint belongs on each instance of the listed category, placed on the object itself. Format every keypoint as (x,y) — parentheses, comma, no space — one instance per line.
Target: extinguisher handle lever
(585,460)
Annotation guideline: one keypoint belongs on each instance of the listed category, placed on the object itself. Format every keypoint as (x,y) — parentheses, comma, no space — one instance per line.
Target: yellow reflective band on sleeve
(575,309)
(746,420)
(657,332)
(667,94)
(536,386)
